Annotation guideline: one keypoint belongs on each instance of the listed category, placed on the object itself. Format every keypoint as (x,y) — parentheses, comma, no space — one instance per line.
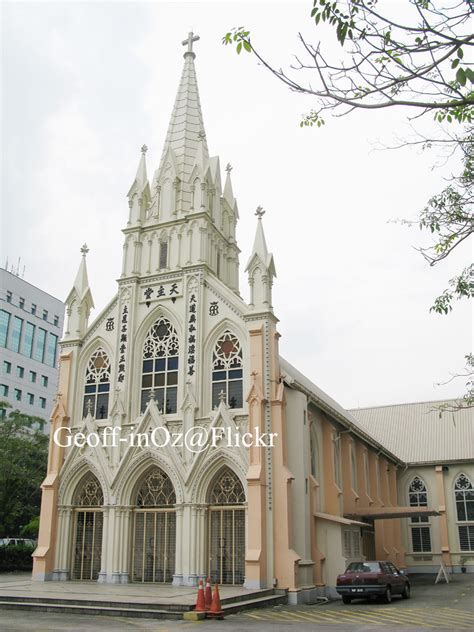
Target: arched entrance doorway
(226,536)
(88,522)
(154,528)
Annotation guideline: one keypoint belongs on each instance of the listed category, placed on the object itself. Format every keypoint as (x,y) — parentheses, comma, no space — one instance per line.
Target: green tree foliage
(23,461)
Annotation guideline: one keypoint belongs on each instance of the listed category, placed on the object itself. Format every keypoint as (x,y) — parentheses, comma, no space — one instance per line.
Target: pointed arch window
(97,387)
(420,535)
(227,371)
(160,367)
(88,524)
(464,497)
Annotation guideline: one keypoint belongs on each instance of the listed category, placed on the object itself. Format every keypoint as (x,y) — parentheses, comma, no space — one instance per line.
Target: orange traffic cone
(216,610)
(208,594)
(200,605)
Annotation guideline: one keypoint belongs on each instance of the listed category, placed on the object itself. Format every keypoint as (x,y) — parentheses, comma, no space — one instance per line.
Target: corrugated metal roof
(417,434)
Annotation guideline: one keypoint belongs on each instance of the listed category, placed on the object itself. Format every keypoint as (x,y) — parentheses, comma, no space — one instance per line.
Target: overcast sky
(84,85)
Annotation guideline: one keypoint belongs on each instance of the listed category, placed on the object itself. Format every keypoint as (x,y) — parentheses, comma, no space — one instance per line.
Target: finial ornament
(190,41)
(84,250)
(144,149)
(222,396)
(151,395)
(89,406)
(201,134)
(260,212)
(228,168)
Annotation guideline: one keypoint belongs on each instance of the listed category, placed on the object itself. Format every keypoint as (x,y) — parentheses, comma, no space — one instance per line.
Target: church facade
(178,355)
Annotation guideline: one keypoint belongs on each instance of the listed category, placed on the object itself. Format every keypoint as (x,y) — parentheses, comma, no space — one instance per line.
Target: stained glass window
(160,367)
(227,371)
(97,388)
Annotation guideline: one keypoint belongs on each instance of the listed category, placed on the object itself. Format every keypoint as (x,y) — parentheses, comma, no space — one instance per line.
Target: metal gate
(88,544)
(154,538)
(227,545)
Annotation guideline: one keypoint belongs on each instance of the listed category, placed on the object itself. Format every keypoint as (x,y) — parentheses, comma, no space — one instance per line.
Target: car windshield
(363,567)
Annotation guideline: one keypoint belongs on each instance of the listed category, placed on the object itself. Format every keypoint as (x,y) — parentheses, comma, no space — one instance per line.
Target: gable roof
(417,434)
(294,379)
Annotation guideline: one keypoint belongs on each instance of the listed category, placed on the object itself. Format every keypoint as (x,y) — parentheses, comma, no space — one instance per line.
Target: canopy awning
(382,513)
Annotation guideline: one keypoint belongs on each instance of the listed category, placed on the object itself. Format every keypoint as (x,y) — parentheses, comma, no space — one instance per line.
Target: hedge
(16,558)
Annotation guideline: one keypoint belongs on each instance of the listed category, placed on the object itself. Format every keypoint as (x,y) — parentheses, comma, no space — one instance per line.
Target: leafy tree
(420,60)
(23,461)
(386,62)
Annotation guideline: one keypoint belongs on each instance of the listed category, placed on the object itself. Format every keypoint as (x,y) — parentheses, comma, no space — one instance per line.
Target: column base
(177,580)
(61,575)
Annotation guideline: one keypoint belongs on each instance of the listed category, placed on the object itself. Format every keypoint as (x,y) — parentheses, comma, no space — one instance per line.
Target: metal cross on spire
(190,41)
(84,250)
(259,212)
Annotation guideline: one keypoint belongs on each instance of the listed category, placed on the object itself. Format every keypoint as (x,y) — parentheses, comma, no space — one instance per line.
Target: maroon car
(372,579)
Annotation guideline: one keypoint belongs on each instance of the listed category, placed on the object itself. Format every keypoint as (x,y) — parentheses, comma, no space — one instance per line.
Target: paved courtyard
(440,607)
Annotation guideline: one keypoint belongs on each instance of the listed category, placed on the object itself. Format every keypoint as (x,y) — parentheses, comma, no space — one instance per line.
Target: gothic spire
(186,128)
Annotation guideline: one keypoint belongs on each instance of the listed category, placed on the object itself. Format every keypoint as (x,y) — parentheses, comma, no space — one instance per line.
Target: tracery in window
(97,388)
(160,367)
(89,492)
(227,489)
(227,371)
(155,490)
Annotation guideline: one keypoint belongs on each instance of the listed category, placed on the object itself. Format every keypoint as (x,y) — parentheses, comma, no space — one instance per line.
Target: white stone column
(178,567)
(125,546)
(202,562)
(117,535)
(105,547)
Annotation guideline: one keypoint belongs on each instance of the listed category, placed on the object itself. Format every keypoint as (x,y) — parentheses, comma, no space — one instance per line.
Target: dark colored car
(372,579)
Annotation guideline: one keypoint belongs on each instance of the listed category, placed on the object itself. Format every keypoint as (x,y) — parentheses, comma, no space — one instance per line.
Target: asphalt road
(440,607)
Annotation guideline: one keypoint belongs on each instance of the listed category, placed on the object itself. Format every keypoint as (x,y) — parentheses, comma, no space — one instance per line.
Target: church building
(300,490)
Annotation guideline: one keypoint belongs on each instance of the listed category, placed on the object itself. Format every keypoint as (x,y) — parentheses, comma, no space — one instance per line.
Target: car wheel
(387,598)
(406,591)
(346,600)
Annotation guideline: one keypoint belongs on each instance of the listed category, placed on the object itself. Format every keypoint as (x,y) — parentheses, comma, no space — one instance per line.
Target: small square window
(33,308)
(31,399)
(43,402)
(20,371)
(7,366)
(22,302)
(3,390)
(44,380)
(33,376)
(45,314)
(9,296)
(18,394)
(56,321)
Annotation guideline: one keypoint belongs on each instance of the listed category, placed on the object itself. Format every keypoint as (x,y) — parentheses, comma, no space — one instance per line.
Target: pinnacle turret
(261,269)
(79,301)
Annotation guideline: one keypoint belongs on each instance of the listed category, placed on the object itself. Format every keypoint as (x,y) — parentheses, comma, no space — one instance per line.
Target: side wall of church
(441,540)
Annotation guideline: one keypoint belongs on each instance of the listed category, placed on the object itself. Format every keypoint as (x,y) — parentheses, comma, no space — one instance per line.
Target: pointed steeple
(186,128)
(261,269)
(79,301)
